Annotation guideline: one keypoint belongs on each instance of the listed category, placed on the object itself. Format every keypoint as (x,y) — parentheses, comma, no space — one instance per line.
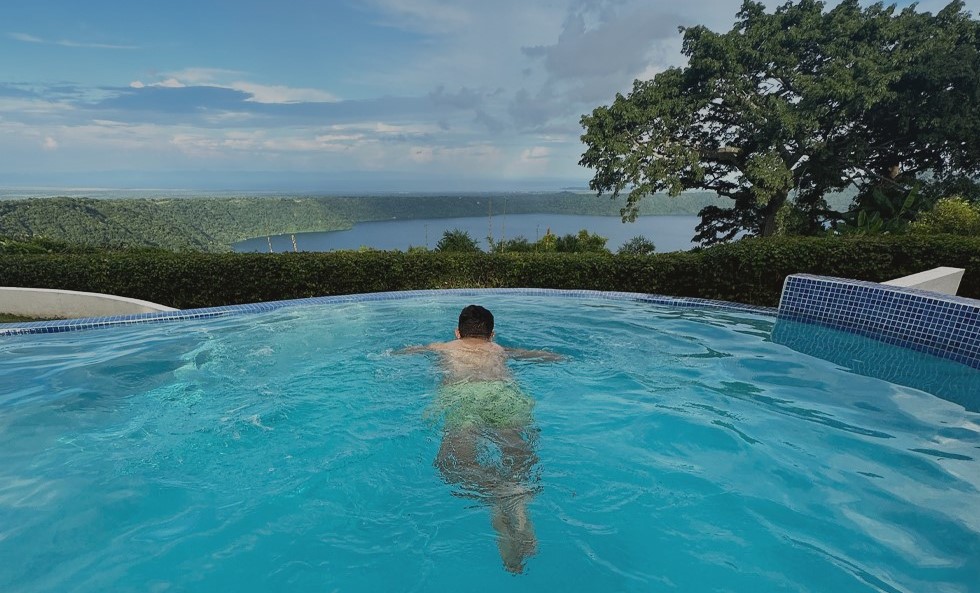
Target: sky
(323,95)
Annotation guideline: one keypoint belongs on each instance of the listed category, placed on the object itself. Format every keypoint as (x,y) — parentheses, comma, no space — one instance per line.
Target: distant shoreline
(667,232)
(209,222)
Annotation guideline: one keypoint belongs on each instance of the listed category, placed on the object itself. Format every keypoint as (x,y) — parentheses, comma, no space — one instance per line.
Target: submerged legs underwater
(467,459)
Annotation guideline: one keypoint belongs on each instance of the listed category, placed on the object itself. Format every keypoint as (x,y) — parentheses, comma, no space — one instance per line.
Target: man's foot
(515,534)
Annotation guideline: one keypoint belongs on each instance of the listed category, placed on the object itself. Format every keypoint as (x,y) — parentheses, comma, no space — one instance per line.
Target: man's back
(472,359)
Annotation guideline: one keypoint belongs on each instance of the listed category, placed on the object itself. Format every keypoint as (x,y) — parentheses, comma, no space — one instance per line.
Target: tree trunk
(769,213)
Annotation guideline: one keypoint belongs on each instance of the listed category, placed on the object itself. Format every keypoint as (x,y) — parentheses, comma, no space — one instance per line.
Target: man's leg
(458,463)
(509,515)
(517,454)
(506,489)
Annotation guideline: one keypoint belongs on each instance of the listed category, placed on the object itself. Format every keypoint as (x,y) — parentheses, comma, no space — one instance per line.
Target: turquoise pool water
(676,450)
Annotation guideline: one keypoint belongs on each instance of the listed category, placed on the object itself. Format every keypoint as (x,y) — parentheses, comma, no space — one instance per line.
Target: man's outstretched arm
(433,347)
(542,355)
(412,350)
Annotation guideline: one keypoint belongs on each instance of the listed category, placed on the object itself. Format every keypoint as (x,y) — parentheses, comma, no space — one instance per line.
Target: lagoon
(669,233)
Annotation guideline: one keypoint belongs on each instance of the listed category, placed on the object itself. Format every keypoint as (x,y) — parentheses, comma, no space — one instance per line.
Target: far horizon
(277,182)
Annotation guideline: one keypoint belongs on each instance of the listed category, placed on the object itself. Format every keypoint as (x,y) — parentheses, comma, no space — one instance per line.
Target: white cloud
(98,145)
(535,153)
(33,107)
(386,128)
(621,43)
(27,38)
(258,93)
(282,94)
(70,43)
(197,144)
(170,83)
(477,157)
(603,47)
(427,16)
(366,142)
(650,71)
(472,45)
(194,145)
(538,63)
(226,118)
(198,76)
(226,143)
(338,138)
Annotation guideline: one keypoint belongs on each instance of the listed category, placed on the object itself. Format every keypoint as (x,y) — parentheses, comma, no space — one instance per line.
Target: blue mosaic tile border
(941,325)
(866,356)
(66,325)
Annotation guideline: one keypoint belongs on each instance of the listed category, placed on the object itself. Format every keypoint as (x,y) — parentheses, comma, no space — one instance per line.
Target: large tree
(793,104)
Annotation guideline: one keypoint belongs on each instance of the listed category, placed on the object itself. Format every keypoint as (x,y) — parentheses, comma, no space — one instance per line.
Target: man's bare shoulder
(469,345)
(442,347)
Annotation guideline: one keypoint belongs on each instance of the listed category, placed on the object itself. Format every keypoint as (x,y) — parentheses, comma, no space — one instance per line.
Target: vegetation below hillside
(749,271)
(213,224)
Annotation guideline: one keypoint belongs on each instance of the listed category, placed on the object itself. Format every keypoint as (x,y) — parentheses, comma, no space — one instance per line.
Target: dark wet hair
(475,322)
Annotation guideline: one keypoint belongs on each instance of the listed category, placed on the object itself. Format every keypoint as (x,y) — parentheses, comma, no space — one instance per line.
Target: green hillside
(213,224)
(185,224)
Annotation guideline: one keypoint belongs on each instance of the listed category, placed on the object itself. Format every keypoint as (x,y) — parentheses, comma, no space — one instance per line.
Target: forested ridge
(213,224)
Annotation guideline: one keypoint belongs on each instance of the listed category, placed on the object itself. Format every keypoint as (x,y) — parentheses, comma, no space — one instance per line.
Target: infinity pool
(674,449)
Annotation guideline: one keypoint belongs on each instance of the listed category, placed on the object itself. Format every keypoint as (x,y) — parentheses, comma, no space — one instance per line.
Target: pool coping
(67,325)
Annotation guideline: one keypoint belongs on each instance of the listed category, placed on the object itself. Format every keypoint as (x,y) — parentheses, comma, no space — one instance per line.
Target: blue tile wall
(866,356)
(942,325)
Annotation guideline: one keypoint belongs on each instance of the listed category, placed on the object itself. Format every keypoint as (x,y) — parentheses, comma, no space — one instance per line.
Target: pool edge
(86,323)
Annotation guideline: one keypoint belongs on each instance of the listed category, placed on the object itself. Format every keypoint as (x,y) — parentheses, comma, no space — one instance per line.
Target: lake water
(669,233)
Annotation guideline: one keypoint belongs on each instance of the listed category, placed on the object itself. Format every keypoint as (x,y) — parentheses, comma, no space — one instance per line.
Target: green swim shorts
(497,404)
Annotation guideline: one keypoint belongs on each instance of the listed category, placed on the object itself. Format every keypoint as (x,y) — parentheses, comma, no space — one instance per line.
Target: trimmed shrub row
(749,271)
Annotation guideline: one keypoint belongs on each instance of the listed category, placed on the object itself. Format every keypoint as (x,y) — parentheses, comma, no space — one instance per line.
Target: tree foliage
(793,104)
(581,242)
(883,212)
(519,244)
(952,216)
(638,245)
(457,241)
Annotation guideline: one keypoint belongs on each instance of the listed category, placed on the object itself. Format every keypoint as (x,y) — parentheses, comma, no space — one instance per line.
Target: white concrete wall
(943,280)
(67,304)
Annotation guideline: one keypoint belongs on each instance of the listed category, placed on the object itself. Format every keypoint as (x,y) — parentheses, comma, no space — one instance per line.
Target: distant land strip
(214,223)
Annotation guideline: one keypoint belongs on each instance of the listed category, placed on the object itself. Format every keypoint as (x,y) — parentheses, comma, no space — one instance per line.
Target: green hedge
(749,271)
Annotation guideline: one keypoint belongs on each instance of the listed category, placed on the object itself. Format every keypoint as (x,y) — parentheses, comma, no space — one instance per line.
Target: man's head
(475,322)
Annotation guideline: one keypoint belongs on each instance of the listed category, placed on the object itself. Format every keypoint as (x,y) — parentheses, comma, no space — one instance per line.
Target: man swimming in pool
(483,406)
